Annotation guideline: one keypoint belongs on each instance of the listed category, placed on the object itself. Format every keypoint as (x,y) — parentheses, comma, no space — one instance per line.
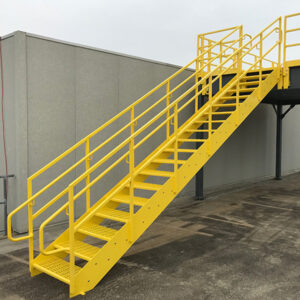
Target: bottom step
(56,267)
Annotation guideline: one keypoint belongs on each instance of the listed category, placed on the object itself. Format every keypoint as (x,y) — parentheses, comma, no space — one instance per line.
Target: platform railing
(286,46)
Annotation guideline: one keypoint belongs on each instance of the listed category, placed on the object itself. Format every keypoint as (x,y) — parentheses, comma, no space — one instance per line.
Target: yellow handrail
(125,142)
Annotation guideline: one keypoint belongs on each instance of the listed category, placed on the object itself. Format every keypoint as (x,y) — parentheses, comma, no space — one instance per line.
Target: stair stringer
(107,257)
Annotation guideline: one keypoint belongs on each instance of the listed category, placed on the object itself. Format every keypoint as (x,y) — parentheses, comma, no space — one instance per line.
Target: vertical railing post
(196,89)
(176,147)
(221,60)
(131,172)
(209,114)
(239,72)
(71,237)
(284,49)
(202,61)
(279,47)
(202,51)
(260,62)
(30,224)
(167,104)
(87,180)
(209,56)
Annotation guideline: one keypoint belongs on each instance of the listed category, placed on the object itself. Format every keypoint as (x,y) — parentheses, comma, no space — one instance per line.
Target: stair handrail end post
(71,236)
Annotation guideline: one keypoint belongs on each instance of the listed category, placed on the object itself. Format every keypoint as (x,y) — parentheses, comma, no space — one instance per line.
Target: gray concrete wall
(8,55)
(57,93)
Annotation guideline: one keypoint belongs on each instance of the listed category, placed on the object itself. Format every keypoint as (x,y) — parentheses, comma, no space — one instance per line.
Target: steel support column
(279,117)
(278,141)
(200,175)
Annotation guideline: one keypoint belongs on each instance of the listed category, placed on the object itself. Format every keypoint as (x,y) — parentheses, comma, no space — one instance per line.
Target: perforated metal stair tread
(97,231)
(147,186)
(167,161)
(124,198)
(233,97)
(113,214)
(220,113)
(180,149)
(254,76)
(157,173)
(192,140)
(246,90)
(82,250)
(56,267)
(206,121)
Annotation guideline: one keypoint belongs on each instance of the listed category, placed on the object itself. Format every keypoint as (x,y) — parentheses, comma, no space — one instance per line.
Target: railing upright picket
(260,62)
(167,104)
(176,147)
(131,172)
(71,238)
(209,114)
(30,224)
(87,180)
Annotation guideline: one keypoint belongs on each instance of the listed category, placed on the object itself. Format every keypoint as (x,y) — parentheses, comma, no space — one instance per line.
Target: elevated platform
(291,95)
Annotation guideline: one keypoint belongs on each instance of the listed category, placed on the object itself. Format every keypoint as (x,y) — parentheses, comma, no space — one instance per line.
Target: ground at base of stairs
(239,244)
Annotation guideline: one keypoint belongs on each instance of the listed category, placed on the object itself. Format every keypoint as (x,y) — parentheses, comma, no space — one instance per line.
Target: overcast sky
(155,29)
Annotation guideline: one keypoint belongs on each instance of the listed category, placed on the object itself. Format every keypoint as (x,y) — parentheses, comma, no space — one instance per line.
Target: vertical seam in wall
(26,79)
(75,113)
(118,89)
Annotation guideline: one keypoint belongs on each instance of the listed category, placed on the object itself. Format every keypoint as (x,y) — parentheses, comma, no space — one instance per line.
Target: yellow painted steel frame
(230,54)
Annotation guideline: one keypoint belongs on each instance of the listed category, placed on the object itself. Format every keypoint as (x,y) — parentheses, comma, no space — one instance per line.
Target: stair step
(157,173)
(180,150)
(97,231)
(243,90)
(234,97)
(225,105)
(124,198)
(192,140)
(255,76)
(220,113)
(56,267)
(213,121)
(113,214)
(146,186)
(250,82)
(81,249)
(168,161)
(197,130)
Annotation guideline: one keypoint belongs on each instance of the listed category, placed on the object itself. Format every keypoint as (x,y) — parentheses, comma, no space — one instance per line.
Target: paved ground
(239,244)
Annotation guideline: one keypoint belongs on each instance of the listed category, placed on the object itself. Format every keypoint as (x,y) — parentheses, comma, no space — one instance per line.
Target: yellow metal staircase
(234,74)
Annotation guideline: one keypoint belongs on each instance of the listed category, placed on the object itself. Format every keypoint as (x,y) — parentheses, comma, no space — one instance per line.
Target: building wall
(56,93)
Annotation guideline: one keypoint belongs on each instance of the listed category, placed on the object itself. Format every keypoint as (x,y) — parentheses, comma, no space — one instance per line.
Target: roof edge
(93,48)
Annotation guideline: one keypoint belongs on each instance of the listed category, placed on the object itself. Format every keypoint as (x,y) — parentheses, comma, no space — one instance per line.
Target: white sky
(155,29)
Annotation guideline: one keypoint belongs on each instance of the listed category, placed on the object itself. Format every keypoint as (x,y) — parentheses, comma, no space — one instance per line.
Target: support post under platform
(278,141)
(200,175)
